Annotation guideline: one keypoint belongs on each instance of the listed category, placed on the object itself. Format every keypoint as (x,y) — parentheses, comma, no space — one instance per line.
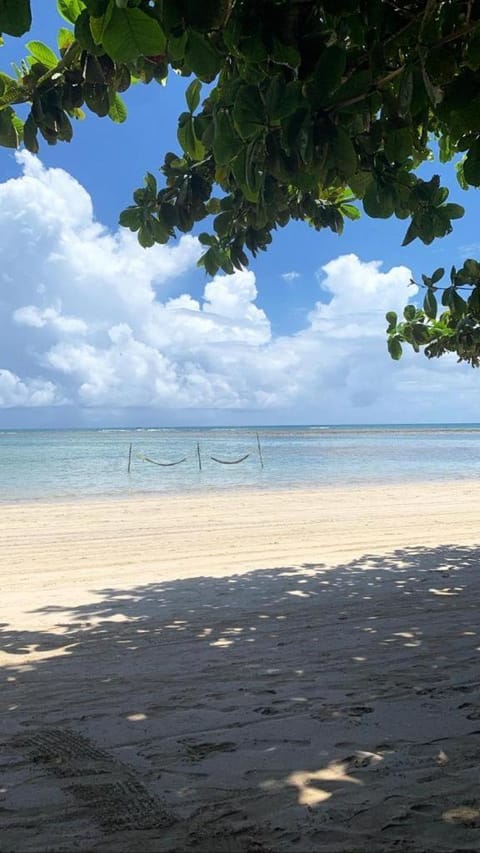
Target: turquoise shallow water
(60,464)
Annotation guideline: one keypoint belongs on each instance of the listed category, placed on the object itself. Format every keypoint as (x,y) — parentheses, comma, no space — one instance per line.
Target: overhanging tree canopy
(313,106)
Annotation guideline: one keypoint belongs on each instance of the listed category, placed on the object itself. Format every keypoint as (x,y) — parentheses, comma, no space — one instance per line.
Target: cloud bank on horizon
(88,323)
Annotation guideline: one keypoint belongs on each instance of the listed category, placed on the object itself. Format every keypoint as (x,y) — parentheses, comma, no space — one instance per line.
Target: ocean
(65,464)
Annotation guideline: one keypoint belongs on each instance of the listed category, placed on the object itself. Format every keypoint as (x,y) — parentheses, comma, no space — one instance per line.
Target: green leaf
(9,90)
(15,17)
(188,138)
(456,303)
(30,135)
(98,24)
(350,211)
(122,78)
(412,234)
(460,176)
(399,145)
(253,48)
(437,275)
(282,99)
(160,231)
(192,95)
(145,236)
(328,72)
(42,53)
(206,239)
(472,53)
(118,110)
(471,165)
(226,141)
(202,56)
(446,150)
(18,125)
(472,269)
(70,9)
(358,84)
(97,98)
(131,33)
(474,301)
(248,112)
(434,93)
(97,8)
(453,211)
(92,70)
(359,182)
(409,312)
(223,223)
(177,45)
(430,304)
(246,169)
(395,347)
(378,201)
(151,184)
(210,261)
(131,218)
(83,34)
(344,153)
(65,38)
(8,132)
(405,92)
(285,54)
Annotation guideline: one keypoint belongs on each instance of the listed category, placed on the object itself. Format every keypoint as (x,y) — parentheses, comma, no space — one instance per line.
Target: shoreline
(209,491)
(287,671)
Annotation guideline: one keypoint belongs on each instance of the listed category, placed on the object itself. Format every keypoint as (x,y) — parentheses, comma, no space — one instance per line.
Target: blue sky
(96,331)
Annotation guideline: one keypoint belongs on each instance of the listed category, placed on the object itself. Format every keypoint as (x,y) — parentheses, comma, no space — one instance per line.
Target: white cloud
(31,315)
(30,392)
(88,319)
(290,276)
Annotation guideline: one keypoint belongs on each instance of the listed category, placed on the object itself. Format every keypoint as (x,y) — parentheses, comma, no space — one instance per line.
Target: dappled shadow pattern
(301,708)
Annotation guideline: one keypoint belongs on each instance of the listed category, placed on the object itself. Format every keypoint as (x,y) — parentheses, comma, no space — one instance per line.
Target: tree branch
(71,54)
(462,31)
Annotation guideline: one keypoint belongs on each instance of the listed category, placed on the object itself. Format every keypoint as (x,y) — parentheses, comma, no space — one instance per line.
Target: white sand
(290,671)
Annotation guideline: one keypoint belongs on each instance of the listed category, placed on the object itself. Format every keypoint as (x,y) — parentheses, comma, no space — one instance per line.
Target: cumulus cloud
(31,315)
(30,392)
(290,276)
(88,319)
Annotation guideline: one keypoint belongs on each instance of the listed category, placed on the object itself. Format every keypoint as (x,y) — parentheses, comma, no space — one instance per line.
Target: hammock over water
(143,458)
(163,464)
(230,461)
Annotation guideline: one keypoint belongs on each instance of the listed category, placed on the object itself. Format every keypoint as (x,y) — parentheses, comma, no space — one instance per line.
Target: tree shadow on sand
(300,708)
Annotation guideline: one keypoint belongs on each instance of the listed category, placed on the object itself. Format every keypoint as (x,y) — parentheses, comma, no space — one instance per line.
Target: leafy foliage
(456,329)
(316,110)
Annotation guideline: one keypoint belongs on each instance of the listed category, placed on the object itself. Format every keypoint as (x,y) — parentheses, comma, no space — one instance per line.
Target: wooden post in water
(259,449)
(129,458)
(199,457)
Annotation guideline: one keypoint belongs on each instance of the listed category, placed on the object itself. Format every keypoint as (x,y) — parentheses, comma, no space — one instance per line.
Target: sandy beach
(242,671)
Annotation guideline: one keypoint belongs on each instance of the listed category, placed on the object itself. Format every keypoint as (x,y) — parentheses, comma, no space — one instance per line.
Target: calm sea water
(60,464)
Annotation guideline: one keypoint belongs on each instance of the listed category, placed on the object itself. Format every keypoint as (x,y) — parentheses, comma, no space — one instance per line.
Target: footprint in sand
(330,713)
(199,751)
(474,715)
(361,758)
(423,808)
(266,710)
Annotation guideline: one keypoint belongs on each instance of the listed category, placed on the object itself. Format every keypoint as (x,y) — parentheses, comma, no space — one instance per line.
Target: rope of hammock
(230,461)
(164,464)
